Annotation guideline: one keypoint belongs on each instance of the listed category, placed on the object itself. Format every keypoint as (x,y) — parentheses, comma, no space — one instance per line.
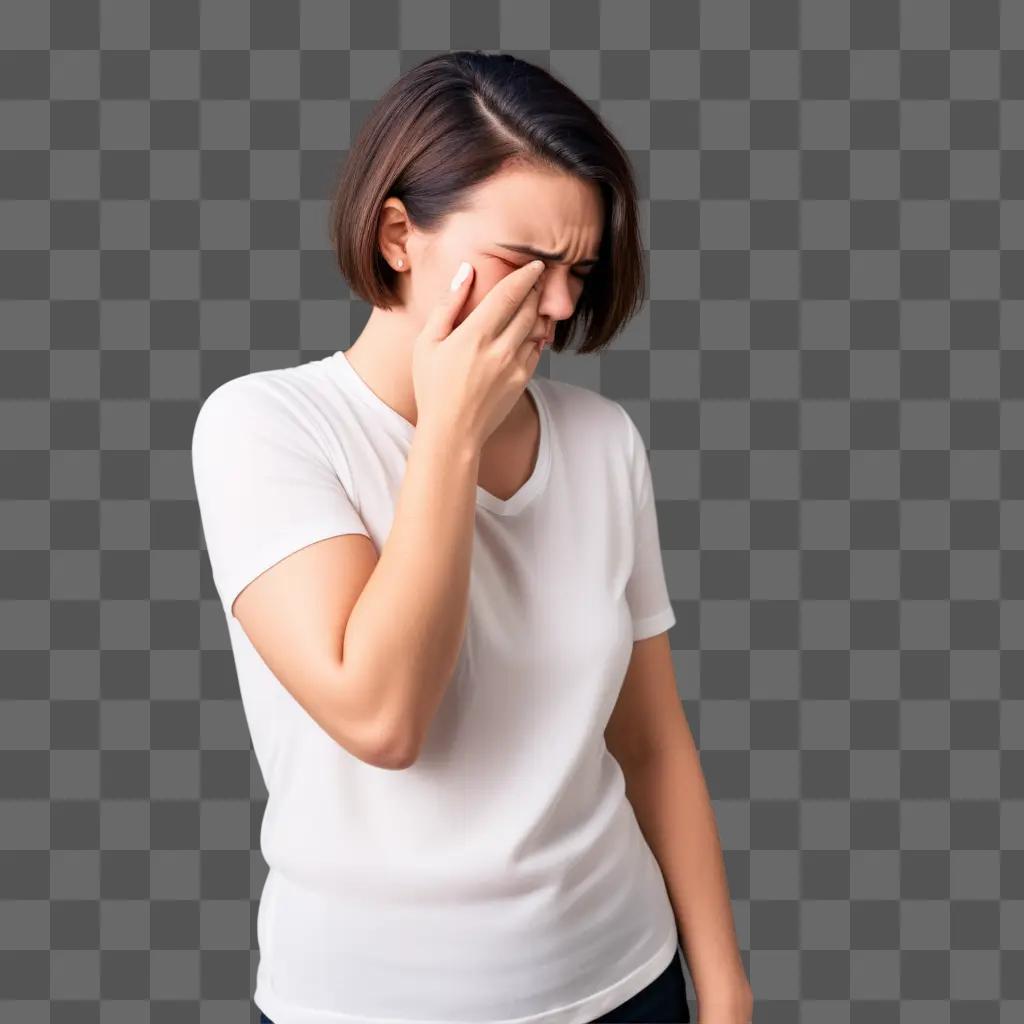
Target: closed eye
(581,275)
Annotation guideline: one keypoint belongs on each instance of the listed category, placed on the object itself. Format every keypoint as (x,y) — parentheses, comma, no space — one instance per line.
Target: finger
(521,326)
(528,356)
(441,320)
(495,311)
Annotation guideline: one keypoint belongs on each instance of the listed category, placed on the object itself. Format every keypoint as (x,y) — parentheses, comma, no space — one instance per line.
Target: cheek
(485,277)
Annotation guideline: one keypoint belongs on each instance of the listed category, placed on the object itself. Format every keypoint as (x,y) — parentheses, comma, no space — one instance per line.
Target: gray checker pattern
(829,372)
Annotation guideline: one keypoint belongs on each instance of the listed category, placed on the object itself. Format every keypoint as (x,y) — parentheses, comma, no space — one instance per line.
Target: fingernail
(460,275)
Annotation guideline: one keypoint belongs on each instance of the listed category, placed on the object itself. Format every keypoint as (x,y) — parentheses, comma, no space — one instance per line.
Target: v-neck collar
(344,373)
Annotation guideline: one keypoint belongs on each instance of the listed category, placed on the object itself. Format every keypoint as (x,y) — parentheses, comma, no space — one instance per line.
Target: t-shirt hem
(652,624)
(580,1012)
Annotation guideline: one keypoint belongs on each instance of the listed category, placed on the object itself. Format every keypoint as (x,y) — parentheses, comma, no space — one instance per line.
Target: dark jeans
(662,1002)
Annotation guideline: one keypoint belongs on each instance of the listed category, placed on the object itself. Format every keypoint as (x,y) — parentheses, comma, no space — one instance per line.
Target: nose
(556,300)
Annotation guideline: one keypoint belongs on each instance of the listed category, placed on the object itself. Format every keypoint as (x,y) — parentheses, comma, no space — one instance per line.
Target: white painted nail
(460,275)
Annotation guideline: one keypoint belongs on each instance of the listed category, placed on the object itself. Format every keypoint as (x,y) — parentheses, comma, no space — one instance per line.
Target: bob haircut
(451,122)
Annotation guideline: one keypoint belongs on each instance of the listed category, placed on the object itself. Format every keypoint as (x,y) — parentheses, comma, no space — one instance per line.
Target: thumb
(441,321)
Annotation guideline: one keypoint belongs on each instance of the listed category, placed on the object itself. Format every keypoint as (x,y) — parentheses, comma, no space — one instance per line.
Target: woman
(446,602)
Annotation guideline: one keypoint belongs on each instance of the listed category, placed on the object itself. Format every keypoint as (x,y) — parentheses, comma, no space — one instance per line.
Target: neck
(382,356)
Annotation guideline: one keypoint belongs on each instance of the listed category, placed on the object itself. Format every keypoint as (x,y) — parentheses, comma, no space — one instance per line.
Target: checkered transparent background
(829,372)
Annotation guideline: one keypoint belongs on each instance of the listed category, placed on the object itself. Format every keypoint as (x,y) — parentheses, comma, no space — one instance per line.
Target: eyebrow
(557,257)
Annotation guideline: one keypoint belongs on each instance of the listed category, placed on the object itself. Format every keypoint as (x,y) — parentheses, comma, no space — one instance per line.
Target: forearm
(405,631)
(673,808)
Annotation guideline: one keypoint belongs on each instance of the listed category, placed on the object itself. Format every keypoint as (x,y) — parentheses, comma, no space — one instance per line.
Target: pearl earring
(401,263)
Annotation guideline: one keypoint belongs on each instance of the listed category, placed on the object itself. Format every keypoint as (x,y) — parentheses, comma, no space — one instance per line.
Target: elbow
(378,739)
(374,747)
(391,748)
(394,759)
(398,747)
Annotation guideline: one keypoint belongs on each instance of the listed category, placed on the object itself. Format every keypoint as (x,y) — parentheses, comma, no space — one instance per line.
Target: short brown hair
(450,123)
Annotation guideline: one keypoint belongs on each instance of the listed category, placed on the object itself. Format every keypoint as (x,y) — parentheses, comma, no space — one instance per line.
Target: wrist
(451,439)
(450,436)
(729,1002)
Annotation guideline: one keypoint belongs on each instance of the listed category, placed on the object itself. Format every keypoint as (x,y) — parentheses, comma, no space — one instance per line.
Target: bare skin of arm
(367,643)
(410,619)
(400,615)
(649,735)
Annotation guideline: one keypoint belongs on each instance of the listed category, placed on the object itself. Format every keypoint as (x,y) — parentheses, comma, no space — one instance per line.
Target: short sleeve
(264,484)
(646,589)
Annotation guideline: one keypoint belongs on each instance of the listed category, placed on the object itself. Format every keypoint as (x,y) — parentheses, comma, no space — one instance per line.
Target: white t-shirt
(502,877)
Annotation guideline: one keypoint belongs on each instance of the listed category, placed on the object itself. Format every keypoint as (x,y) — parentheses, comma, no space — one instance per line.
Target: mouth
(542,343)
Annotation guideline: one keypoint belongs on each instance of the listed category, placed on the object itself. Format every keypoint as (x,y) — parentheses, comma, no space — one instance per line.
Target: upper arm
(646,587)
(648,717)
(295,615)
(287,548)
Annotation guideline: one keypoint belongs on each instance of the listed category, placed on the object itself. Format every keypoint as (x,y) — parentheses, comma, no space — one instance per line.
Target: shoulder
(597,432)
(288,427)
(263,422)
(594,419)
(278,403)
(581,408)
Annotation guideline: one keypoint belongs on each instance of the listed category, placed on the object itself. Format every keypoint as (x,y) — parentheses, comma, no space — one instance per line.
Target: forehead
(548,209)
